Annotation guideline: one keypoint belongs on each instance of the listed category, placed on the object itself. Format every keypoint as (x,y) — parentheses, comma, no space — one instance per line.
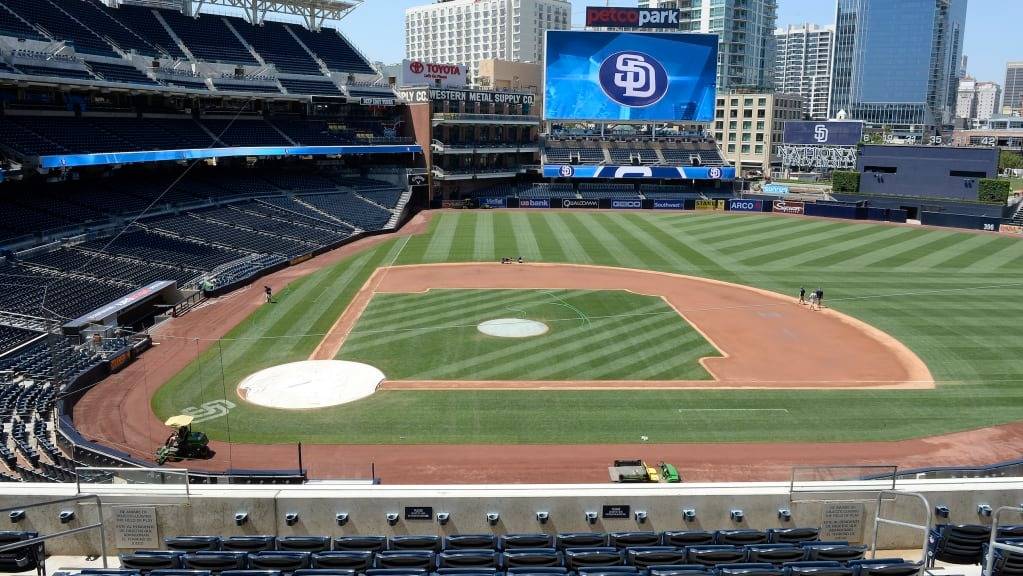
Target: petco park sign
(607,17)
(418,73)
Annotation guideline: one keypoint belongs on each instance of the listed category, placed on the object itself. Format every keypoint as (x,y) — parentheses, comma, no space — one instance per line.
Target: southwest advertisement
(638,76)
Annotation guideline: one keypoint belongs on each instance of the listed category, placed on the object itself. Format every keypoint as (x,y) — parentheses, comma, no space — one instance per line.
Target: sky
(992,28)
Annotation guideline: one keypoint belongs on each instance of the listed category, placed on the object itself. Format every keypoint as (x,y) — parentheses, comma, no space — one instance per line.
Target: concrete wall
(212,510)
(925,170)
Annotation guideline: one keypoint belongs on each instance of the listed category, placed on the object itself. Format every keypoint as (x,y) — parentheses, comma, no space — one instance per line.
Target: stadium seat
(279,560)
(368,543)
(817,569)
(431,543)
(181,572)
(740,537)
(192,543)
(609,571)
(423,559)
(464,571)
(249,543)
(837,551)
(468,558)
(531,557)
(621,540)
(774,553)
(680,570)
(304,543)
(683,538)
(958,543)
(20,559)
(748,569)
(885,567)
(396,572)
(792,535)
(358,560)
(645,556)
(581,540)
(474,541)
(215,561)
(324,572)
(251,573)
(576,558)
(147,560)
(510,541)
(715,554)
(539,571)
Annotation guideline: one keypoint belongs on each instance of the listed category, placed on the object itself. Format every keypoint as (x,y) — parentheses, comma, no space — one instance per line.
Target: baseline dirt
(117,413)
(766,340)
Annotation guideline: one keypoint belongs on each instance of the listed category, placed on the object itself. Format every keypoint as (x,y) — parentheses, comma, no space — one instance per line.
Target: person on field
(820,298)
(802,295)
(520,259)
(269,294)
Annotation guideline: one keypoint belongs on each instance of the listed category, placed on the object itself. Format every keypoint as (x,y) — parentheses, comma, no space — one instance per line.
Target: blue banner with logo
(648,76)
(626,204)
(776,189)
(658,172)
(668,205)
(534,202)
(493,202)
(833,133)
(742,205)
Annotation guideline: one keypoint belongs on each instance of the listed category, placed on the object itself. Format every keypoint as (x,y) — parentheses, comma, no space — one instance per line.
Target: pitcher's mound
(512,328)
(310,384)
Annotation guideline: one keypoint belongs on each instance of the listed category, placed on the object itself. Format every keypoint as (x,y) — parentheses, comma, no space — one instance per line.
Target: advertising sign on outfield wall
(1011,229)
(710,204)
(626,204)
(668,205)
(573,203)
(419,73)
(740,205)
(493,202)
(784,207)
(534,202)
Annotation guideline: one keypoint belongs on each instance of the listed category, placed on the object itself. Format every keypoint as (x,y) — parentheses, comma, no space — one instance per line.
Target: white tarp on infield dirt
(310,384)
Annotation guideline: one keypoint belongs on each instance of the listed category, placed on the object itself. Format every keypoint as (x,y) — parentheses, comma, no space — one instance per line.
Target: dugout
(138,310)
(925,171)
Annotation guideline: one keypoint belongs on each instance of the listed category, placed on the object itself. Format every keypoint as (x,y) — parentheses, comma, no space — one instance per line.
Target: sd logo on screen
(633,79)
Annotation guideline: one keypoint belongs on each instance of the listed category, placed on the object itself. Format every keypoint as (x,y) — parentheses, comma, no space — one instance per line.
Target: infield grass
(955,298)
(592,335)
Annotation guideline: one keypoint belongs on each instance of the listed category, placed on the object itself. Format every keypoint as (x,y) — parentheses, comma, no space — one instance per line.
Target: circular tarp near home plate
(512,328)
(310,384)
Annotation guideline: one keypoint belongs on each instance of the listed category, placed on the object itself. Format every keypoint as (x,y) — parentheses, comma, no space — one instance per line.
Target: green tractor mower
(183,444)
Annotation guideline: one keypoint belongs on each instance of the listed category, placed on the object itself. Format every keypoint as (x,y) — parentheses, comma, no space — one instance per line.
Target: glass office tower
(896,63)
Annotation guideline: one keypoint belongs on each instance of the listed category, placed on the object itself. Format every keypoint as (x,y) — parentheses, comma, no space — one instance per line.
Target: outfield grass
(433,336)
(955,298)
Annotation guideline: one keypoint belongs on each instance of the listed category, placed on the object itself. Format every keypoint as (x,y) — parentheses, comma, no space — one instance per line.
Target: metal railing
(993,544)
(893,496)
(40,539)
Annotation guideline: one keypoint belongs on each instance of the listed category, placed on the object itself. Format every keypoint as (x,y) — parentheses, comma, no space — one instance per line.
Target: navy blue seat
(249,543)
(679,570)
(623,540)
(324,572)
(370,543)
(510,541)
(741,537)
(180,572)
(147,560)
(396,572)
(531,557)
(792,535)
(715,554)
(473,541)
(609,571)
(539,571)
(192,543)
(431,543)
(749,569)
(250,573)
(471,571)
(957,543)
(215,561)
(303,543)
(774,553)
(468,558)
(568,540)
(817,569)
(358,560)
(109,572)
(644,556)
(837,551)
(20,559)
(284,561)
(683,538)
(885,567)
(404,559)
(576,558)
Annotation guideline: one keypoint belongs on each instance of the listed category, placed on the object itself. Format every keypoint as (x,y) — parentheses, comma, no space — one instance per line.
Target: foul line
(784,410)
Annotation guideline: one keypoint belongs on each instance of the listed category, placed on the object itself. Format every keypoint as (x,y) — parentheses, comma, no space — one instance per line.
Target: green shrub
(845,182)
(994,191)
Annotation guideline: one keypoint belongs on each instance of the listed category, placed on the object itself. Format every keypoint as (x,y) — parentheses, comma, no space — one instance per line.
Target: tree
(994,191)
(845,182)
(1009,160)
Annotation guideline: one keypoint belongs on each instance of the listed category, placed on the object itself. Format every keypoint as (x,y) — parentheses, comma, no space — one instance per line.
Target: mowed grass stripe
(954,247)
(827,255)
(794,244)
(579,224)
(525,241)
(483,239)
(400,312)
(611,346)
(673,257)
(570,246)
(443,238)
(607,234)
(674,355)
(1009,249)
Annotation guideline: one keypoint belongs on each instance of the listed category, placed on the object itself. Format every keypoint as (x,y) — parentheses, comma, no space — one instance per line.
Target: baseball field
(952,298)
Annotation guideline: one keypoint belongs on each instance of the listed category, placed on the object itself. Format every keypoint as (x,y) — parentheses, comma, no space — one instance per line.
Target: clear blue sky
(992,28)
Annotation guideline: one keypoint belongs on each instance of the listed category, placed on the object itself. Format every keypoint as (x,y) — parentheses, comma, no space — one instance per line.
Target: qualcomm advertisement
(645,76)
(659,172)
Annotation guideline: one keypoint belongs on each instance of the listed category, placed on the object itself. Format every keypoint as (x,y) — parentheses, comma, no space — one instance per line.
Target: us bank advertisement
(630,76)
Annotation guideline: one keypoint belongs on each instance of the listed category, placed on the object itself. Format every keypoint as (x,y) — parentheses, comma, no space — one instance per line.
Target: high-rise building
(745,30)
(802,65)
(749,127)
(1013,101)
(468,31)
(897,63)
(977,101)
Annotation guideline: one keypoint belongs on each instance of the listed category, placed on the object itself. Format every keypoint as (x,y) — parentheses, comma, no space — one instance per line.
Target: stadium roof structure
(313,12)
